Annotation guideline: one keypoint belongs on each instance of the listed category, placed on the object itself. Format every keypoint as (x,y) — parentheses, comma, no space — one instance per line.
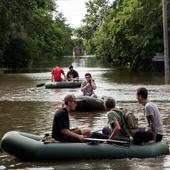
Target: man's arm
(149,111)
(68,132)
(52,75)
(76,75)
(93,85)
(84,85)
(150,120)
(115,129)
(64,75)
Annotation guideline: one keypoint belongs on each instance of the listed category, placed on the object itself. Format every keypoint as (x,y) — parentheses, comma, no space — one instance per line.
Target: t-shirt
(151,109)
(61,121)
(56,72)
(88,91)
(72,74)
(114,116)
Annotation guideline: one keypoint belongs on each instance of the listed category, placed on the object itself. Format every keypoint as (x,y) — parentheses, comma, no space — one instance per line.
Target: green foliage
(135,31)
(18,53)
(32,22)
(129,35)
(96,10)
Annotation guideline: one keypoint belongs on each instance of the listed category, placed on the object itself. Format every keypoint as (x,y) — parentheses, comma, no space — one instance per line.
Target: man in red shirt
(56,73)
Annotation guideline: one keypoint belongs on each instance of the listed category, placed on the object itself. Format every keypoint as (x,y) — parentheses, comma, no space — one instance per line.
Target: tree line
(32,31)
(125,33)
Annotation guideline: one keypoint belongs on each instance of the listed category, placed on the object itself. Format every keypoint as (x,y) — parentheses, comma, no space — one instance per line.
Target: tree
(32,21)
(134,34)
(96,10)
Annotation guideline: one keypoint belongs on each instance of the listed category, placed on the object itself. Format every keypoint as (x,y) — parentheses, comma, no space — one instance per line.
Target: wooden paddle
(107,140)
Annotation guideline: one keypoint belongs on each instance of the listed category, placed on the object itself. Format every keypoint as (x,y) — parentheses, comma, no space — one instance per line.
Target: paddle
(40,85)
(107,140)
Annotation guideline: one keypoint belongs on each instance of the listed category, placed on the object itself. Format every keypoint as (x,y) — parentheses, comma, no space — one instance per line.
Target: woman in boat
(72,74)
(152,114)
(88,86)
(61,124)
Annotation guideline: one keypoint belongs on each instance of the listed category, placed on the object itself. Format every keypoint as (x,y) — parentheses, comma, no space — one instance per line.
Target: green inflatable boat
(63,84)
(29,147)
(87,103)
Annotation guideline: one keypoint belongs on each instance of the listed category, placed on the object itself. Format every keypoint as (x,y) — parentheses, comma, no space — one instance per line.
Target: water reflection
(34,117)
(129,77)
(25,107)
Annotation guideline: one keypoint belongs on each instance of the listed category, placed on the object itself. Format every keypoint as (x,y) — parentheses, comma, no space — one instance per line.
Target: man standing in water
(152,114)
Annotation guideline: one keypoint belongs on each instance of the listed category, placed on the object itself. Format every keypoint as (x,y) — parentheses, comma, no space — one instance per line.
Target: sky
(73,11)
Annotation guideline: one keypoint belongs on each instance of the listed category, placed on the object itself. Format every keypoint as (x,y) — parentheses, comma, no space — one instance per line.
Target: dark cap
(70,66)
(71,98)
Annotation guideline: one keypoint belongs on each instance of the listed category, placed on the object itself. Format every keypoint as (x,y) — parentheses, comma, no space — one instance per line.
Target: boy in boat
(152,114)
(72,74)
(61,124)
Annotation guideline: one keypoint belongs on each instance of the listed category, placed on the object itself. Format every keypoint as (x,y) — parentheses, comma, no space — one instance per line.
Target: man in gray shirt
(152,114)
(88,86)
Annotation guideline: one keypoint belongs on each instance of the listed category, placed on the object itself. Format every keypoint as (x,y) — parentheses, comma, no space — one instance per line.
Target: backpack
(131,122)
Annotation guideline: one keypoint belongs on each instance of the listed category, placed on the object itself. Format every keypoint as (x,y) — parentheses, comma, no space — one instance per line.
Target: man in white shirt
(152,114)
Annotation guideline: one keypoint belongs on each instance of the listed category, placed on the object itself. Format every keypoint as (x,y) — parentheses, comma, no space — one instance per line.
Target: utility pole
(165,35)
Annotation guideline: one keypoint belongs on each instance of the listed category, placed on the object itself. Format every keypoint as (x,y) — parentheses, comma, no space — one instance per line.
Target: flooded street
(25,107)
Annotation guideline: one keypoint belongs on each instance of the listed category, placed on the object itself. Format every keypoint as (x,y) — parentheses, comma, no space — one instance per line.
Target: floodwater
(25,107)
